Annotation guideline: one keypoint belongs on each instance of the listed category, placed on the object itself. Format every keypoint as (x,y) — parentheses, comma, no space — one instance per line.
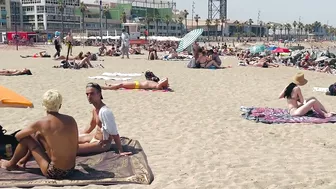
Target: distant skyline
(285,12)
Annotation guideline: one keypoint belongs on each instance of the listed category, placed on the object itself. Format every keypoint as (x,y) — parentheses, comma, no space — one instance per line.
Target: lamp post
(7,27)
(100,21)
(15,19)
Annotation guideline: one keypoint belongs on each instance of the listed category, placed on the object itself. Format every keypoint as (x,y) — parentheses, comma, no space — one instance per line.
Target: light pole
(15,19)
(100,20)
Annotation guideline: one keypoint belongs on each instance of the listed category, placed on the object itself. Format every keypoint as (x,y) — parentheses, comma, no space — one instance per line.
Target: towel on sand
(152,90)
(110,78)
(279,115)
(319,89)
(121,74)
(101,169)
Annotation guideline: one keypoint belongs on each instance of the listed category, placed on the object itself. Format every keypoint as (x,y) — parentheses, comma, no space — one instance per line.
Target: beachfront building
(84,16)
(228,28)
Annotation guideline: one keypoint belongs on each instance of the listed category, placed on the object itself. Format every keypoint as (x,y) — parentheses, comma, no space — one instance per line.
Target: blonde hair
(52,101)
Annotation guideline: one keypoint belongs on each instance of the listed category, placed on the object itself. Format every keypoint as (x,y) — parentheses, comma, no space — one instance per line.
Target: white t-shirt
(109,126)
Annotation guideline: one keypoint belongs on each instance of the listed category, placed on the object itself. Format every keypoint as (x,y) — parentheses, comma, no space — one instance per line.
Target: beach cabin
(133,29)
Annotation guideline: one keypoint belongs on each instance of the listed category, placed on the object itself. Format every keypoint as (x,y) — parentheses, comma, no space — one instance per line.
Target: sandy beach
(194,137)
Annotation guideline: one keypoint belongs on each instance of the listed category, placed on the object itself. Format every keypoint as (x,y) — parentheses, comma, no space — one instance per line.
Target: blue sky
(285,12)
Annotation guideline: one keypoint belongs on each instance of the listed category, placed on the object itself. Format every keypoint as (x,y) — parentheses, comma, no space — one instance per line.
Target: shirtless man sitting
(104,122)
(163,84)
(56,145)
(6,72)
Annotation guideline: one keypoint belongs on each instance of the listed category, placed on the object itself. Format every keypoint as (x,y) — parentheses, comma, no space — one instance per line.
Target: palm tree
(268,26)
(148,20)
(106,13)
(274,28)
(326,29)
(306,29)
(83,9)
(197,19)
(123,17)
(185,14)
(250,22)
(61,7)
(301,28)
(208,24)
(236,25)
(167,20)
(294,26)
(288,28)
(223,21)
(217,22)
(281,27)
(157,19)
(180,21)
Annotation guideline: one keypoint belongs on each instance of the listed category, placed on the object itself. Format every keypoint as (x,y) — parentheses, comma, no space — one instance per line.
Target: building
(230,28)
(46,16)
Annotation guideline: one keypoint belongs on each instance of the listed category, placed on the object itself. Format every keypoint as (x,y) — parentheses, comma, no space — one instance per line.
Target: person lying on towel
(161,85)
(42,54)
(297,106)
(54,145)
(103,122)
(7,72)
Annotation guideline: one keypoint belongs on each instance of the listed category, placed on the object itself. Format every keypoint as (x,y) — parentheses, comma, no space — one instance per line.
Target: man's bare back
(56,133)
(61,135)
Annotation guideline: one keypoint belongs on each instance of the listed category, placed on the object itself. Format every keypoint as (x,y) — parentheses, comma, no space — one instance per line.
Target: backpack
(8,144)
(151,77)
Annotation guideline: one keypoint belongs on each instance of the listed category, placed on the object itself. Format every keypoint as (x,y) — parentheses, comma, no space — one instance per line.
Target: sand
(195,136)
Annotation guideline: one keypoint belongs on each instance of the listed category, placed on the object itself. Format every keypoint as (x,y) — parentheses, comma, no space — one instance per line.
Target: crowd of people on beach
(54,141)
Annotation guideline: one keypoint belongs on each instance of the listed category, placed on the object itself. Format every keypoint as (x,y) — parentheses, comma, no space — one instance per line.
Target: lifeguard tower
(133,29)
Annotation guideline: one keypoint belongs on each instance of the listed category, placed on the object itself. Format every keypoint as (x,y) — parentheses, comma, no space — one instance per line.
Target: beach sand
(193,137)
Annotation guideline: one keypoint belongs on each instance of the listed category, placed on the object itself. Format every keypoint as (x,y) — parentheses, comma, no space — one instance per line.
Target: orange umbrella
(9,98)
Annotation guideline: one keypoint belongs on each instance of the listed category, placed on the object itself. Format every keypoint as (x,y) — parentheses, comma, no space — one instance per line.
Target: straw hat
(299,79)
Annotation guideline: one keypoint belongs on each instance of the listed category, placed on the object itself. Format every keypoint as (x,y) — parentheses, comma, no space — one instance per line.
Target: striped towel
(319,89)
(110,78)
(121,74)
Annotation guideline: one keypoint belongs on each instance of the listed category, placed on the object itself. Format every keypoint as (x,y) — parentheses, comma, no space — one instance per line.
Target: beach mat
(121,74)
(110,78)
(148,90)
(320,89)
(101,169)
(279,115)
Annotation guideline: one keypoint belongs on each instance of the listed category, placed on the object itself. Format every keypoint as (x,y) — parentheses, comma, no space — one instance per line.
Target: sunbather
(161,85)
(42,54)
(296,104)
(6,72)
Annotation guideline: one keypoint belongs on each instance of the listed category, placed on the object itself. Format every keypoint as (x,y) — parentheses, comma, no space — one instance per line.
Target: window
(40,9)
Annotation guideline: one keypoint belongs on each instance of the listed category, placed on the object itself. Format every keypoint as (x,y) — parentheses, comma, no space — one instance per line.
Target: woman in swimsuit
(15,72)
(161,85)
(296,104)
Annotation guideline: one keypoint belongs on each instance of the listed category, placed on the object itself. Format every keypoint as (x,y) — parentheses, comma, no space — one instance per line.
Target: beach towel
(121,74)
(151,90)
(278,115)
(111,78)
(319,89)
(101,169)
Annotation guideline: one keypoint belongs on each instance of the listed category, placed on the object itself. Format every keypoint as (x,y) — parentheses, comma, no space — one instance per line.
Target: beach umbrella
(9,98)
(281,50)
(271,48)
(189,39)
(257,49)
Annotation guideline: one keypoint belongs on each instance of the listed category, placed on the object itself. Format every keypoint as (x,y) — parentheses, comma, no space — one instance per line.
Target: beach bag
(332,89)
(151,76)
(192,63)
(8,144)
